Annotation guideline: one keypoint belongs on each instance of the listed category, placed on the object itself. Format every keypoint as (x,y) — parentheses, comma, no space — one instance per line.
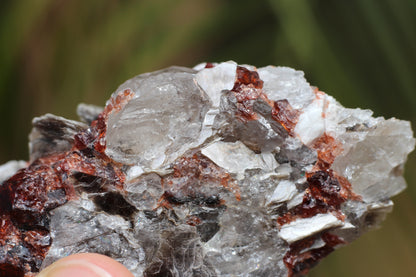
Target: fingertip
(86,265)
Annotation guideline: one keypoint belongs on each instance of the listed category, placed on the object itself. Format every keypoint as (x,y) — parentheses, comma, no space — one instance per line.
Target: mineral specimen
(219,170)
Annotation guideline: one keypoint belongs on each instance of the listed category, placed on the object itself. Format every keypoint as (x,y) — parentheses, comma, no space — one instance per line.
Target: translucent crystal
(161,122)
(219,170)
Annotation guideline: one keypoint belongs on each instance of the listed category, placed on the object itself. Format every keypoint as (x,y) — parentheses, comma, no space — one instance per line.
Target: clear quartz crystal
(161,122)
(220,170)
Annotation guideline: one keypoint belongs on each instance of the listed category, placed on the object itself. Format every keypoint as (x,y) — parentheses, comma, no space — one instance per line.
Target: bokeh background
(57,53)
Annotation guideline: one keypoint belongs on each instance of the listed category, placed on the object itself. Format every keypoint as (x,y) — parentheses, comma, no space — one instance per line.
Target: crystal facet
(219,170)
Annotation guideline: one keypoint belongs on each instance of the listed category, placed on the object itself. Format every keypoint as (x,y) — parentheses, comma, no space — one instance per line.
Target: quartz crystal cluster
(219,170)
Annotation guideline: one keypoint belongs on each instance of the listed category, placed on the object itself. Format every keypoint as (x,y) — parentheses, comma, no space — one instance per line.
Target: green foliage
(57,53)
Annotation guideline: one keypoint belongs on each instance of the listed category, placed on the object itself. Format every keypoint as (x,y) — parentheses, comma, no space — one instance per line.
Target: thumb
(85,265)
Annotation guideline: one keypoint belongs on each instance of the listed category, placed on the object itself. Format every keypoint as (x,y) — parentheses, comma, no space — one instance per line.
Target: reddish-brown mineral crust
(246,77)
(191,175)
(114,105)
(8,270)
(44,185)
(294,259)
(247,88)
(299,261)
(31,188)
(37,240)
(346,188)
(326,191)
(12,244)
(28,196)
(100,166)
(287,116)
(9,236)
(117,103)
(95,135)
(321,196)
(328,149)
(30,193)
(193,220)
(324,186)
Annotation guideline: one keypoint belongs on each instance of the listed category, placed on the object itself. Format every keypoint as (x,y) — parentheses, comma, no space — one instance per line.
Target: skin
(86,265)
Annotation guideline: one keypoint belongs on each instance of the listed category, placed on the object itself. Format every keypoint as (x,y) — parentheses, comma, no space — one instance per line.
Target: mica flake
(220,170)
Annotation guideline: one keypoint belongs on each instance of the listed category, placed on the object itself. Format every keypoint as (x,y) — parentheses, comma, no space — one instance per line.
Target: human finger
(85,265)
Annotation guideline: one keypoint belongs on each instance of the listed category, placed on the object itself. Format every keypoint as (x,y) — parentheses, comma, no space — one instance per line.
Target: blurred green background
(57,53)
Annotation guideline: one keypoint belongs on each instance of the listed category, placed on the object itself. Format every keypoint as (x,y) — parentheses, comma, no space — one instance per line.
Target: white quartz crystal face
(286,83)
(283,192)
(235,157)
(214,80)
(311,124)
(305,227)
(221,170)
(376,172)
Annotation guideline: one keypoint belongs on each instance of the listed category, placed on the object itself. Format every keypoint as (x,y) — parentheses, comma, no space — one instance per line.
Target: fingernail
(71,268)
